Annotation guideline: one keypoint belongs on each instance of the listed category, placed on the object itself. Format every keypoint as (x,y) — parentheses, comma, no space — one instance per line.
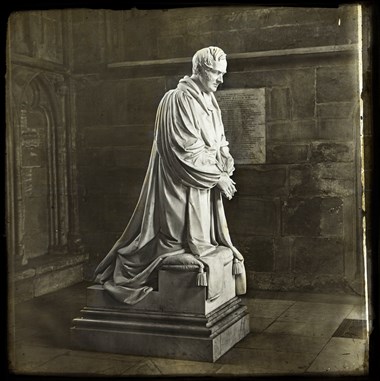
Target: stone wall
(44,251)
(295,218)
(297,211)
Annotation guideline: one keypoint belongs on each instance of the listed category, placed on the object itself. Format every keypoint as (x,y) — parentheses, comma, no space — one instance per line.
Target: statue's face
(211,78)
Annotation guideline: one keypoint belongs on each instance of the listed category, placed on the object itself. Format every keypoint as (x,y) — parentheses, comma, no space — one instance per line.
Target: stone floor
(291,334)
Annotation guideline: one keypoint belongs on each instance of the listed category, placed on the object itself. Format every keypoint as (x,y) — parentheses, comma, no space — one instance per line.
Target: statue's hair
(205,56)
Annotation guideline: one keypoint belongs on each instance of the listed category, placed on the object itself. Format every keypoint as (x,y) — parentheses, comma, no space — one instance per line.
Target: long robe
(180,209)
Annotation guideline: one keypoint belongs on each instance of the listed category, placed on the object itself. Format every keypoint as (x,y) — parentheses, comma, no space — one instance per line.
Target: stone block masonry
(292,216)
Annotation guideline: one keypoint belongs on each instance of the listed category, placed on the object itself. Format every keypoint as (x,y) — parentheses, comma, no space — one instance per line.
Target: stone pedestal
(176,321)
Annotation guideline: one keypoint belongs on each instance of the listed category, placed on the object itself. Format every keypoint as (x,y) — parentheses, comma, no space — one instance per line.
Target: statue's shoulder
(178,94)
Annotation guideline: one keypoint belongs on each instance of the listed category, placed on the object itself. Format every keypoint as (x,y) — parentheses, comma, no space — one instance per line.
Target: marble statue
(169,285)
(180,209)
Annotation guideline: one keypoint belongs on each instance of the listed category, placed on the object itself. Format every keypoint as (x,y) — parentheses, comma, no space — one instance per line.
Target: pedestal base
(198,330)
(161,335)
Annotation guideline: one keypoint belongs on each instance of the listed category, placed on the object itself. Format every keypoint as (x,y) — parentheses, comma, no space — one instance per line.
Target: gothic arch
(36,164)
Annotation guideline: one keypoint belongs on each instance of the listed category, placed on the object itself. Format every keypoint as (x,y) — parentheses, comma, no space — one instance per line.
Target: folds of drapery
(182,149)
(179,209)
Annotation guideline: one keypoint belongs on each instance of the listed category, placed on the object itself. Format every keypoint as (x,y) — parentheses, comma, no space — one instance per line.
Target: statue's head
(209,66)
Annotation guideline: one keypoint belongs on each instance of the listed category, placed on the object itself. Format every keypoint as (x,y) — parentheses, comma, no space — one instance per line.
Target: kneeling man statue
(177,228)
(180,208)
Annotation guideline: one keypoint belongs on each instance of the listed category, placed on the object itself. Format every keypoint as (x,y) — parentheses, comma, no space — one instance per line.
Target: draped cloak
(180,209)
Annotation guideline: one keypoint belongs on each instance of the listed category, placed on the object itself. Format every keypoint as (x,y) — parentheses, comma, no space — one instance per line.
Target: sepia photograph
(189,191)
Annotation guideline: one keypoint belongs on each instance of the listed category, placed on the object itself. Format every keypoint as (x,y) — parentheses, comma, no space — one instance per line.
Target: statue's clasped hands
(227,186)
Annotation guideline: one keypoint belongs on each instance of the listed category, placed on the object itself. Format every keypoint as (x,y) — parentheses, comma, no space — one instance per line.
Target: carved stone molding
(38,204)
(58,83)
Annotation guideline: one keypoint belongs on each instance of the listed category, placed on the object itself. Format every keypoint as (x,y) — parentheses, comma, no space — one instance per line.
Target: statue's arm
(187,137)
(181,145)
(192,147)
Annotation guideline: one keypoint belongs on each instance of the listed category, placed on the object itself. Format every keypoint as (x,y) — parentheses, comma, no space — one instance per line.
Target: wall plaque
(243,113)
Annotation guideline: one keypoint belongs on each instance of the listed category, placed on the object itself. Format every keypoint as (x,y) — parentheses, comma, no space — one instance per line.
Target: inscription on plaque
(243,113)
